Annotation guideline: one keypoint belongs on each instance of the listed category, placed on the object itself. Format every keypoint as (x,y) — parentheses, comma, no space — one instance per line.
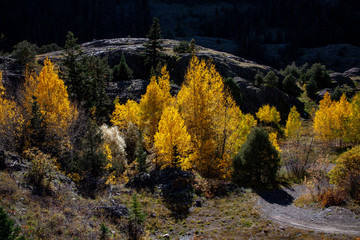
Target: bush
(8,230)
(257,163)
(346,174)
(24,52)
(41,172)
(182,47)
(332,197)
(122,71)
(177,190)
(49,48)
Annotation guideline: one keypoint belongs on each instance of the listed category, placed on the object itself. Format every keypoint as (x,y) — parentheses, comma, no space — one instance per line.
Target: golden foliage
(212,119)
(268,114)
(152,104)
(11,120)
(334,119)
(125,114)
(346,174)
(172,141)
(293,124)
(52,98)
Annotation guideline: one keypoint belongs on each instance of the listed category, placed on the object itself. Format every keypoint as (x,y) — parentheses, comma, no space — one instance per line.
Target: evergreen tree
(235,91)
(153,45)
(122,71)
(257,163)
(24,52)
(95,74)
(259,78)
(271,79)
(136,219)
(8,230)
(37,126)
(290,86)
(72,68)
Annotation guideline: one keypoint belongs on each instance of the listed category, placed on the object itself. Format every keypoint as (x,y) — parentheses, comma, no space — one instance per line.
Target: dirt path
(278,206)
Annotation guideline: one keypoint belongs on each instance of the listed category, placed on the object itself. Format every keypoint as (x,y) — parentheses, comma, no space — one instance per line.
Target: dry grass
(66,215)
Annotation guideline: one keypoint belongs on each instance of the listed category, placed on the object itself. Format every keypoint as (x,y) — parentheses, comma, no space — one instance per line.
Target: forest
(188,163)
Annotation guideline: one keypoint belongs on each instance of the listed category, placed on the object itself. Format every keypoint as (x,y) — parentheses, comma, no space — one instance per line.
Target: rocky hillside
(242,70)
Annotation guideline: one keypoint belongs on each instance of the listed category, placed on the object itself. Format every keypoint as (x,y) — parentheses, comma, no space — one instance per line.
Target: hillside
(213,146)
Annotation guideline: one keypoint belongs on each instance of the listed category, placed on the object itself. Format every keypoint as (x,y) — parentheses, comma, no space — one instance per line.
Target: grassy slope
(66,215)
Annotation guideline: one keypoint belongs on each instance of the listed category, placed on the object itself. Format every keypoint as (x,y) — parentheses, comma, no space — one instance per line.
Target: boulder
(12,162)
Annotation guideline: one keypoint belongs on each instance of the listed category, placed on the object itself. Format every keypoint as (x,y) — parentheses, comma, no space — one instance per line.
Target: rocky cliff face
(227,64)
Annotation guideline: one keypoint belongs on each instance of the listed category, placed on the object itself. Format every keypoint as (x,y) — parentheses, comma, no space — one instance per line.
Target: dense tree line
(249,22)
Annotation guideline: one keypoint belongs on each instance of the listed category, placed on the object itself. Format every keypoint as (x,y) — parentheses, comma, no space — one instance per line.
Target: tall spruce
(72,68)
(153,45)
(95,74)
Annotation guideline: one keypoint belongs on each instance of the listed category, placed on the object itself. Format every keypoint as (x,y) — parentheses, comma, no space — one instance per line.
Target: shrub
(332,197)
(24,52)
(182,47)
(41,171)
(257,162)
(177,190)
(116,144)
(346,174)
(49,48)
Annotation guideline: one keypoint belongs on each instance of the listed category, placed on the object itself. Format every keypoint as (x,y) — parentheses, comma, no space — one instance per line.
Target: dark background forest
(250,24)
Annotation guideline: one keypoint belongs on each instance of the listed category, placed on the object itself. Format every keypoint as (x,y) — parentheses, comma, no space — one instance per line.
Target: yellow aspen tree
(172,141)
(52,98)
(354,119)
(293,124)
(211,117)
(341,114)
(125,114)
(323,121)
(268,114)
(152,104)
(11,121)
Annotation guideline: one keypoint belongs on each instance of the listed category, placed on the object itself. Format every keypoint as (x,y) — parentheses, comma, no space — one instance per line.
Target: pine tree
(37,128)
(72,68)
(153,45)
(136,219)
(271,79)
(95,73)
(257,162)
(122,71)
(8,229)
